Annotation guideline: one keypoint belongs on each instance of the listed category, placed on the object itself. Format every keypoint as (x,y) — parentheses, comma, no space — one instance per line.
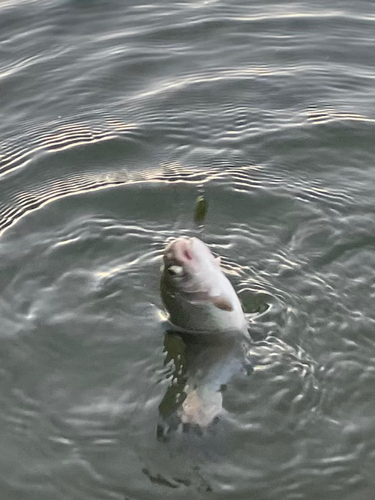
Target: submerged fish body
(203,365)
(197,295)
(209,367)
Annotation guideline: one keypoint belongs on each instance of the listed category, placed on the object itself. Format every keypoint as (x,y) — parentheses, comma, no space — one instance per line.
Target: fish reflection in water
(203,365)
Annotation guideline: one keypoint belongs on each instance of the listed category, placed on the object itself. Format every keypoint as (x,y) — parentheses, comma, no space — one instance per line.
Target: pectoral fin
(221,302)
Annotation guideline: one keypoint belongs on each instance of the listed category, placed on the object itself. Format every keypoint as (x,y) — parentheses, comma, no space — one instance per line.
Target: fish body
(203,365)
(197,295)
(210,365)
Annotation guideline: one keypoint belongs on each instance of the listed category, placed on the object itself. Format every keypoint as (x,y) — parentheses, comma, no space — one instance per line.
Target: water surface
(114,117)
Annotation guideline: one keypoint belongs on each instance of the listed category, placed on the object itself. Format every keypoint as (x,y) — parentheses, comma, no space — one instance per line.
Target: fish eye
(175,270)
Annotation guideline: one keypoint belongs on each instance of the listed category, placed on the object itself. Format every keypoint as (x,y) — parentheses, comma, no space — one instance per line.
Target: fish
(207,335)
(197,295)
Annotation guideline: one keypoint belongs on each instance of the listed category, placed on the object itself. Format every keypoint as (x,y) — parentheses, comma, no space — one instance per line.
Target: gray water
(115,115)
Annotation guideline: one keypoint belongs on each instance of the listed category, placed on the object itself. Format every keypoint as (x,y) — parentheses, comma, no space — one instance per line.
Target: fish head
(195,292)
(186,259)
